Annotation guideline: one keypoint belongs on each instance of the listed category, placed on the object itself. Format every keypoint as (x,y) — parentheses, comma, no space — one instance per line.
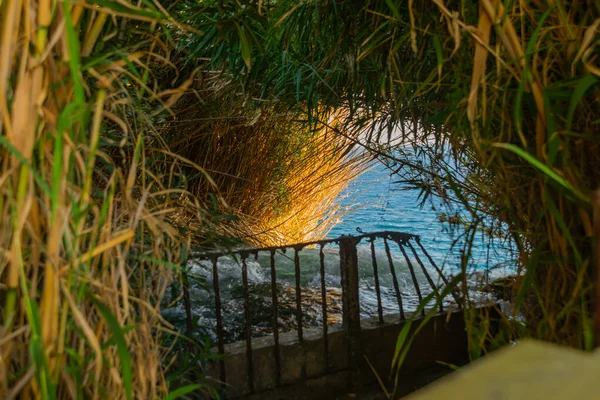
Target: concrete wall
(308,372)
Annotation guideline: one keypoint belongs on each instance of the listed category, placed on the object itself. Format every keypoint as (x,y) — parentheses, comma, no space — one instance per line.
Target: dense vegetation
(119,121)
(509,88)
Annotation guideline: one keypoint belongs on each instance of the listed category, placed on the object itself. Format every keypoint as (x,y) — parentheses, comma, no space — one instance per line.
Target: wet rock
(501,288)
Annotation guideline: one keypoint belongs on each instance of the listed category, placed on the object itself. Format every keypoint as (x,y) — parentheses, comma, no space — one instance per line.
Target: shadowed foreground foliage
(86,248)
(278,176)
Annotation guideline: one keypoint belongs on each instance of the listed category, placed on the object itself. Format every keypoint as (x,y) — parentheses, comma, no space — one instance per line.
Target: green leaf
(402,346)
(246,47)
(38,355)
(527,280)
(394,9)
(36,346)
(298,81)
(582,86)
(57,169)
(526,76)
(438,53)
(129,12)
(283,54)
(122,349)
(401,340)
(74,59)
(182,391)
(553,140)
(423,85)
(36,176)
(150,5)
(546,170)
(316,73)
(518,109)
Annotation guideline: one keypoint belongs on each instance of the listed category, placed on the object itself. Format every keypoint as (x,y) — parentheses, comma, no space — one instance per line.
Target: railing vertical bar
(299,306)
(376,276)
(351,307)
(413,276)
(433,287)
(220,336)
(298,294)
(187,303)
(275,320)
(324,307)
(394,278)
(439,271)
(248,325)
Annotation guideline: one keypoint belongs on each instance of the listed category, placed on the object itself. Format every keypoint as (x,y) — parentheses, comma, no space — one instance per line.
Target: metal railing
(349,284)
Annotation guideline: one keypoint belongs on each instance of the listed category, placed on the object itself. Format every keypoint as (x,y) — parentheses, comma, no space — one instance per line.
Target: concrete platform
(529,370)
(308,372)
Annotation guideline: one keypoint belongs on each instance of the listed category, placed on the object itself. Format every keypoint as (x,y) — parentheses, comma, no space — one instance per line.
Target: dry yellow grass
(85,251)
(275,173)
(314,183)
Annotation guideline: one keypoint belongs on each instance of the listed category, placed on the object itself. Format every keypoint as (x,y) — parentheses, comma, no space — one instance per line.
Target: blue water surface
(374,201)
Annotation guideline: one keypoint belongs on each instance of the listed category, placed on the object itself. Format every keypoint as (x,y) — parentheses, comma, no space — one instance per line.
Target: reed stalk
(86,249)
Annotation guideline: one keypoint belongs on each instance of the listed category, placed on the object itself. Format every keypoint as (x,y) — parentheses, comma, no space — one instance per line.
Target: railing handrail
(391,235)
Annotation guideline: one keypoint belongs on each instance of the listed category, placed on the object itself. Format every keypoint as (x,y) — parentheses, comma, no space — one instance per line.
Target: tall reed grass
(277,175)
(86,249)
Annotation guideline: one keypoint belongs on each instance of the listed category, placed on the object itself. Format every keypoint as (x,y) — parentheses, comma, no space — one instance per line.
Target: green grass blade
(394,9)
(546,170)
(401,341)
(298,82)
(518,108)
(36,176)
(245,46)
(129,11)
(553,139)
(530,269)
(582,86)
(437,44)
(182,391)
(74,58)
(122,349)
(402,346)
(526,76)
(57,172)
(36,345)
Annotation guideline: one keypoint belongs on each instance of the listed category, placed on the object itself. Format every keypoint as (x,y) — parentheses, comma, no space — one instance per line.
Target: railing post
(350,303)
(595,270)
(187,303)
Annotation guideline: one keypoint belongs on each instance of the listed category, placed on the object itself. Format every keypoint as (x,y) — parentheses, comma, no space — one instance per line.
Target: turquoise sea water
(376,202)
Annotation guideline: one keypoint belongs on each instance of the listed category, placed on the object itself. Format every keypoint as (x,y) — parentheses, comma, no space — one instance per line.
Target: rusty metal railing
(349,284)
